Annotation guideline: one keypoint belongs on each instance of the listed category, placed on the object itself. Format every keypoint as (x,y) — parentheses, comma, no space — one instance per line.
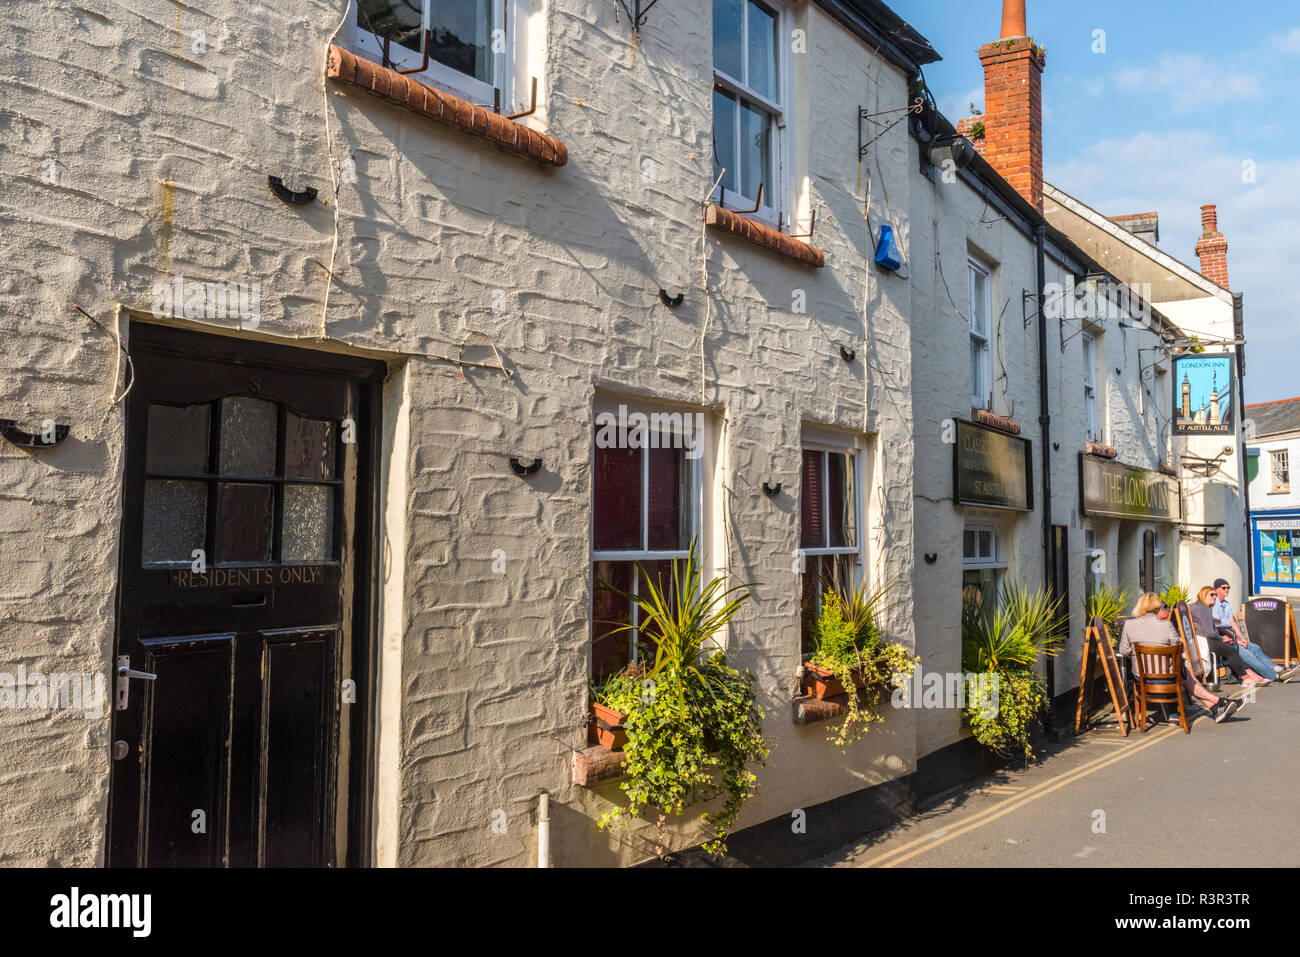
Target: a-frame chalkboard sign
(1097,648)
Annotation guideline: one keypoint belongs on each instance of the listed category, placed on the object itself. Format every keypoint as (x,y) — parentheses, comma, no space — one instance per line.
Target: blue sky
(1185,93)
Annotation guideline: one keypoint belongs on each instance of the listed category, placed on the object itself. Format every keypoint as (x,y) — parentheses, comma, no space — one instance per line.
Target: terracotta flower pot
(822,684)
(608,726)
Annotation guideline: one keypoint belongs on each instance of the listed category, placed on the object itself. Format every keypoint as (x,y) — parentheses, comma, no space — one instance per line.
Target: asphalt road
(1161,799)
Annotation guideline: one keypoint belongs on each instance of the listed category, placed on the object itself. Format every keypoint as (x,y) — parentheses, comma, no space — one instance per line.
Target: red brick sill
(1102,451)
(765,236)
(999,422)
(444,108)
(594,764)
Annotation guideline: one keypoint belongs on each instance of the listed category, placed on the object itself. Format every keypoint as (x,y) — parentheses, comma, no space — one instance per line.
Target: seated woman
(1203,620)
(1146,628)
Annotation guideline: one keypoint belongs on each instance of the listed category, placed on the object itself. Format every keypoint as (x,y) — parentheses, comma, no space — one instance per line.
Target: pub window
(982,565)
(748,119)
(646,507)
(471,48)
(830,512)
(1090,386)
(1280,461)
(981,335)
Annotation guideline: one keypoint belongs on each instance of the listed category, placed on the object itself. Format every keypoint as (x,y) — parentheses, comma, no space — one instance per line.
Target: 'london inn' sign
(992,469)
(1125,491)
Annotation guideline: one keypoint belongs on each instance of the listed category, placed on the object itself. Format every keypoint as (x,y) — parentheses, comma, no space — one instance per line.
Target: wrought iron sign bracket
(636,14)
(1206,467)
(1200,532)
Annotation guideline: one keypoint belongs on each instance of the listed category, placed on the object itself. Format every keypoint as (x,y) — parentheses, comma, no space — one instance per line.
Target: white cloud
(1190,82)
(1174,173)
(958,107)
(1288,42)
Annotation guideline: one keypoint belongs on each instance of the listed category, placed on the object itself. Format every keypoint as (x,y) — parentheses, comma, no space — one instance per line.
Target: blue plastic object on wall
(887,256)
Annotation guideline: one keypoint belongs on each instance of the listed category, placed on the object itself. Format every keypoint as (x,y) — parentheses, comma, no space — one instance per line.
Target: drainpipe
(1238,328)
(544,830)
(1045,428)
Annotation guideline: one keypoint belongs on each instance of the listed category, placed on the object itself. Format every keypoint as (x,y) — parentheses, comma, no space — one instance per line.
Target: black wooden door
(243,588)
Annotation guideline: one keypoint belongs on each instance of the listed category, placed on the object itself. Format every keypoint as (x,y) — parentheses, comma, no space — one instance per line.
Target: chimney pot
(1013,19)
(1209,218)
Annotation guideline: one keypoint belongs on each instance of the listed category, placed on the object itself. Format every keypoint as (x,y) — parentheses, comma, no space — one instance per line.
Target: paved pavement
(1229,791)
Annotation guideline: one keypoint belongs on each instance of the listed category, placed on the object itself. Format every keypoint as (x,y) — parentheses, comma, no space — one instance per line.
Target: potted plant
(692,722)
(606,721)
(849,651)
(1108,603)
(1002,646)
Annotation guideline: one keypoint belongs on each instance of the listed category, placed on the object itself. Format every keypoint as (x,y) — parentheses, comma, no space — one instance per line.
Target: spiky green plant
(693,723)
(1174,594)
(1006,642)
(1109,603)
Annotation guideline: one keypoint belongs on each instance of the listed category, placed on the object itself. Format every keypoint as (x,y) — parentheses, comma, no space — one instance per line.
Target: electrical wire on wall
(119,355)
(335,179)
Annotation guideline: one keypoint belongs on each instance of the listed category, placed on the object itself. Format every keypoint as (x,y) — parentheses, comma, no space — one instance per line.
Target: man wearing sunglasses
(1252,654)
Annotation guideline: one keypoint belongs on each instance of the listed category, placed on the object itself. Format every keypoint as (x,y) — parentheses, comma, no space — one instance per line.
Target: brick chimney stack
(1013,105)
(1212,248)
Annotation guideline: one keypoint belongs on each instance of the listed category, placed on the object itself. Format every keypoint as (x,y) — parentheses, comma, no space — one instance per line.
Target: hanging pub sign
(1113,490)
(992,469)
(1203,390)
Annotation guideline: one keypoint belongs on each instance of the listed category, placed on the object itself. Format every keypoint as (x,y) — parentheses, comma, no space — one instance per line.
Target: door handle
(124,675)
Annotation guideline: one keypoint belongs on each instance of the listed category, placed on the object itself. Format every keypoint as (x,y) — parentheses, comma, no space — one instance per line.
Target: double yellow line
(922,844)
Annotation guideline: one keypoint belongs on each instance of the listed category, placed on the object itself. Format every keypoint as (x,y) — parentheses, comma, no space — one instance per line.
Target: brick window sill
(765,236)
(993,421)
(445,108)
(1102,451)
(595,764)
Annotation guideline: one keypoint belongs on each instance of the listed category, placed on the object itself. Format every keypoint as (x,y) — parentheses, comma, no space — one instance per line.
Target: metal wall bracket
(672,302)
(1199,532)
(10,432)
(519,468)
(1206,467)
(637,14)
(295,198)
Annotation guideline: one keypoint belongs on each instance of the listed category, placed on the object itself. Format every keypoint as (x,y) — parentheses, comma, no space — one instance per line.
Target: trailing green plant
(1006,643)
(847,640)
(1109,603)
(693,722)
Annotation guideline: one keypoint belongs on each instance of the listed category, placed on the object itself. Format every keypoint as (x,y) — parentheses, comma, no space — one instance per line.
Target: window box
(822,684)
(607,727)
(765,236)
(446,108)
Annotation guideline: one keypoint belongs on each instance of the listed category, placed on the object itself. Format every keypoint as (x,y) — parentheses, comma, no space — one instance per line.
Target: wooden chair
(1159,679)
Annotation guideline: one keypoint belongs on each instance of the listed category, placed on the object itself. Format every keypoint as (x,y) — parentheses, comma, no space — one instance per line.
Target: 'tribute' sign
(1125,491)
(992,469)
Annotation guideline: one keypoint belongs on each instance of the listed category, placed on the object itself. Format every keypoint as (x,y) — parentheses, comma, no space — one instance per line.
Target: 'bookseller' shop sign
(992,469)
(1125,491)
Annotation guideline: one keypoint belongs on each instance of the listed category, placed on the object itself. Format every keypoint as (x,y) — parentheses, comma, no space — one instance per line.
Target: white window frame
(504,17)
(645,553)
(855,456)
(996,558)
(775,198)
(1273,456)
(976,268)
(1090,387)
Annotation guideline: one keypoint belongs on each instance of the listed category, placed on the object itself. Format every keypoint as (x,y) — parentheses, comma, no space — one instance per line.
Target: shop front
(1275,547)
(1134,515)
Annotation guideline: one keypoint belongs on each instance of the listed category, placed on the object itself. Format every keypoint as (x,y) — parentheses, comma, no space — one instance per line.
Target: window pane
(244,522)
(977,370)
(821,572)
(669,506)
(398,20)
(178,438)
(762,51)
(843,517)
(968,544)
(986,545)
(724,139)
(308,448)
(755,153)
(978,318)
(248,437)
(727,33)
(813,530)
(307,530)
(660,574)
(462,36)
(608,611)
(617,497)
(175,520)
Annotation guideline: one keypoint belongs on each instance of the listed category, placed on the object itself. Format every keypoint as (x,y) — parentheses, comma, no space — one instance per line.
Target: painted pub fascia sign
(1113,490)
